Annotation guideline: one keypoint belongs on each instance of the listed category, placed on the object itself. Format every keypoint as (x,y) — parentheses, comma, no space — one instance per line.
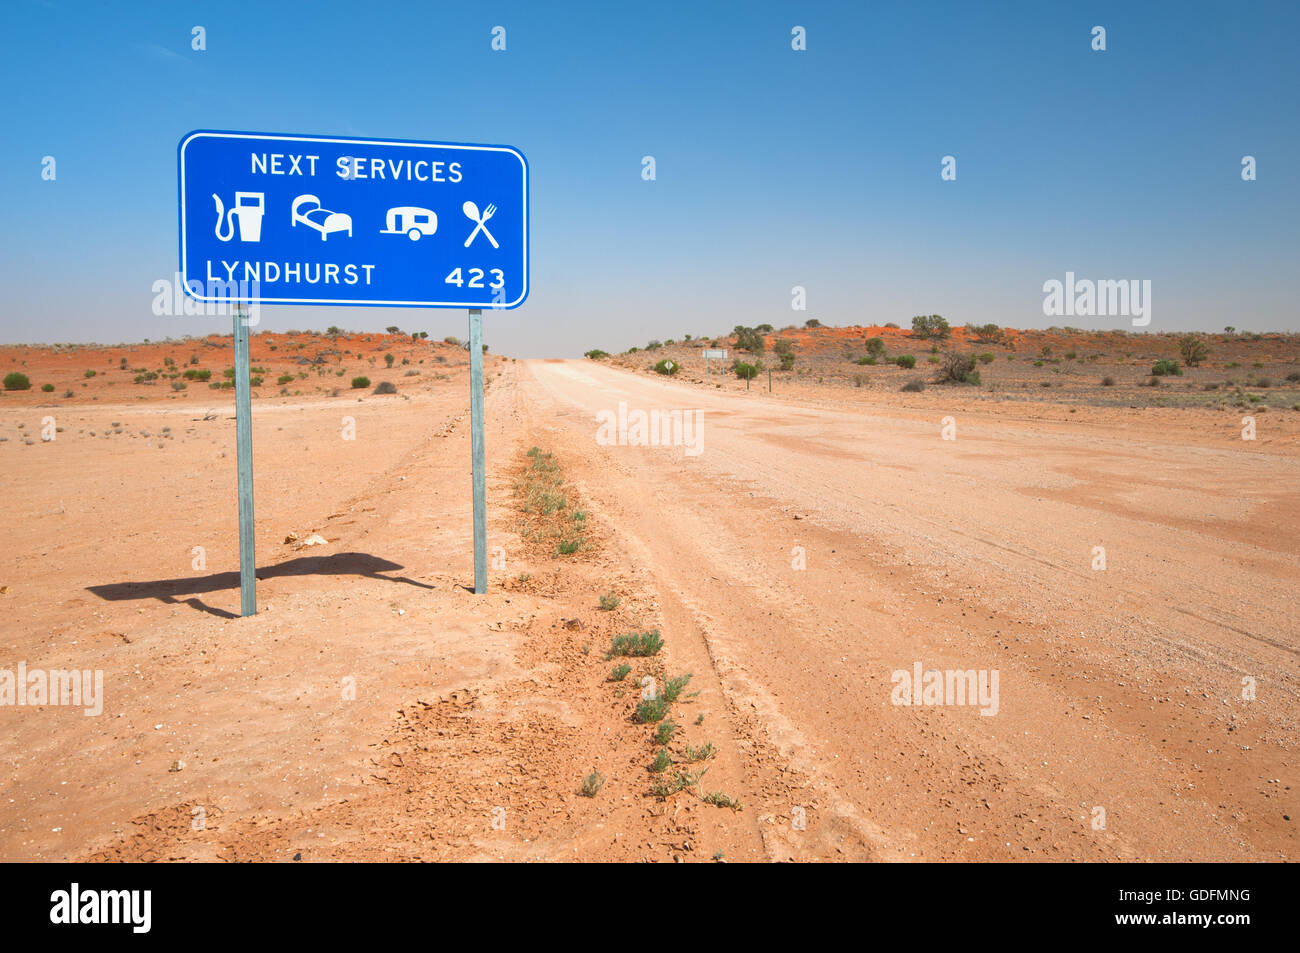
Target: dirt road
(796,552)
(809,552)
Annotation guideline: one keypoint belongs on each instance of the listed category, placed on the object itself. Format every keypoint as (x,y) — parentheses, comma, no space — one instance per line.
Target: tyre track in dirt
(1090,665)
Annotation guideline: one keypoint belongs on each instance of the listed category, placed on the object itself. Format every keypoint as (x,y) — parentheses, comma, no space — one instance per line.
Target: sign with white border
(284,219)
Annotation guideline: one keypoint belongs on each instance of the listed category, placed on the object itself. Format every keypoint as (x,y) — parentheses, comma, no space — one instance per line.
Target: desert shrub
(388,359)
(194,374)
(651,710)
(386,387)
(1108,382)
(359,382)
(609,602)
(812,323)
(667,366)
(787,360)
(958,369)
(592,784)
(1193,349)
(637,644)
(1293,377)
(654,345)
(876,346)
(47,388)
(930,326)
(1165,368)
(867,360)
(596,354)
(745,371)
(17,381)
(89,373)
(749,339)
(914,386)
(284,379)
(905,360)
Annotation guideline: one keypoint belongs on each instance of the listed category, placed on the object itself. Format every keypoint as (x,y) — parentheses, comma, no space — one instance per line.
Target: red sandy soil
(377,709)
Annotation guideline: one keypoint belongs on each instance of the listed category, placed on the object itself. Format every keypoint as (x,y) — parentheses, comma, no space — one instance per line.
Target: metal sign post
(244,458)
(707,353)
(476,448)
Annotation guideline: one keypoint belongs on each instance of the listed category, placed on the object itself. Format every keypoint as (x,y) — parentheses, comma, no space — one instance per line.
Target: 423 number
(475,278)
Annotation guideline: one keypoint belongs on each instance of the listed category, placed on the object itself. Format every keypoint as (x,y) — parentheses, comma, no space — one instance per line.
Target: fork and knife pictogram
(472,213)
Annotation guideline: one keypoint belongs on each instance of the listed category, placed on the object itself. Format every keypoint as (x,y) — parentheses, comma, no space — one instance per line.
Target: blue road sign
(278,219)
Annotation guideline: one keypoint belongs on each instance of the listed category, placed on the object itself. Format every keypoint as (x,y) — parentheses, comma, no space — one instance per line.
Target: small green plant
(596,354)
(389,359)
(619,672)
(986,358)
(567,547)
(746,372)
(609,602)
(667,785)
(47,388)
(674,687)
(592,783)
(89,373)
(667,366)
(664,733)
(636,644)
(650,710)
(703,753)
(718,799)
(16,381)
(359,383)
(905,360)
(385,387)
(662,762)
(700,719)
(1166,368)
(282,379)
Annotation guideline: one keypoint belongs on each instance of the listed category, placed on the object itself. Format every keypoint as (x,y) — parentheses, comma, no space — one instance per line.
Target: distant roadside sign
(280,219)
(714,354)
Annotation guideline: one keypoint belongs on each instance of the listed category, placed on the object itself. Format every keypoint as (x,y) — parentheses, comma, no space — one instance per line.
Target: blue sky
(775,168)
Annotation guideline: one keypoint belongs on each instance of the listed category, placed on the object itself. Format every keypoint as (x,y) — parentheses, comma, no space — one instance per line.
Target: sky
(774,167)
